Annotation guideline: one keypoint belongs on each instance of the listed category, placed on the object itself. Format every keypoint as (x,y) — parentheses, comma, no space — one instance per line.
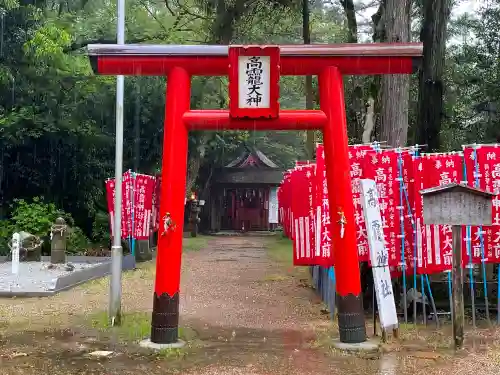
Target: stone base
(165,318)
(368,346)
(142,251)
(148,344)
(352,328)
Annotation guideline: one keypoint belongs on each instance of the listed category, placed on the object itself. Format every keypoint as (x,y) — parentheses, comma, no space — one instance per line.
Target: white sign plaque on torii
(254,81)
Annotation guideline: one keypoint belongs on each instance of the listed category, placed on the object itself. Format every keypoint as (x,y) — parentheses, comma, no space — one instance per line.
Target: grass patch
(280,249)
(135,327)
(194,243)
(275,278)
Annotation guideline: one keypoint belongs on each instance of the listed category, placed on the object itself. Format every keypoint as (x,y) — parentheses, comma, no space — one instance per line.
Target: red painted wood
(287,120)
(173,176)
(339,182)
(219,65)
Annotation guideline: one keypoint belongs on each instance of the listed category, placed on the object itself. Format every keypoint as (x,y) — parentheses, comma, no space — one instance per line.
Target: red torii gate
(254,93)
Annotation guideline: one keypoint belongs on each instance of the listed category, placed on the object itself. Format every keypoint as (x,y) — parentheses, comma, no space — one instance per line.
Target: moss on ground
(280,249)
(135,327)
(195,243)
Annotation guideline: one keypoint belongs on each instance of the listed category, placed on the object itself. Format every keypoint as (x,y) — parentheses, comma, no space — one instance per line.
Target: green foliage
(6,230)
(9,4)
(77,242)
(48,44)
(100,228)
(57,118)
(35,217)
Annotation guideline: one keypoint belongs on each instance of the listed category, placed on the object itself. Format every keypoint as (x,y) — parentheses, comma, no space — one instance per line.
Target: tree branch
(169,8)
(156,18)
(81,44)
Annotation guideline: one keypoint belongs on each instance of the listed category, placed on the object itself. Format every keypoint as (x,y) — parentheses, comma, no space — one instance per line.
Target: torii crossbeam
(254,73)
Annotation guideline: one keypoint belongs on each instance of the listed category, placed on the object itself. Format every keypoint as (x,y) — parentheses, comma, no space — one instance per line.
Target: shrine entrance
(254,73)
(246,209)
(243,196)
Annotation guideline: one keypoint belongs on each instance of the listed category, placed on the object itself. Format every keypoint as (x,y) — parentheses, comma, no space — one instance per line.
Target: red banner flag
(435,241)
(110,198)
(302,250)
(324,252)
(483,166)
(143,205)
(155,216)
(127,188)
(382,167)
(357,156)
(475,240)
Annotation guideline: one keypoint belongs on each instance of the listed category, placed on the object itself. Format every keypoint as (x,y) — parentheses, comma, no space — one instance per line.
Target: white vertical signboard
(273,205)
(378,255)
(16,239)
(254,82)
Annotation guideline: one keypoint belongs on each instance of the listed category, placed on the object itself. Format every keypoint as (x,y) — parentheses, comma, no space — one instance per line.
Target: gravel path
(230,284)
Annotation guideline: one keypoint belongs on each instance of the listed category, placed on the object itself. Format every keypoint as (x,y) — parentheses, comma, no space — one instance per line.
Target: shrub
(100,228)
(36,217)
(77,241)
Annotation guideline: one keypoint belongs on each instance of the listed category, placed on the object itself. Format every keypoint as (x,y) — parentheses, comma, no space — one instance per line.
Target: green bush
(36,217)
(6,230)
(100,228)
(77,241)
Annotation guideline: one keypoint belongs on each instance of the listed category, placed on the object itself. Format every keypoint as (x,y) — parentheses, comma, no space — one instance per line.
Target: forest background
(57,119)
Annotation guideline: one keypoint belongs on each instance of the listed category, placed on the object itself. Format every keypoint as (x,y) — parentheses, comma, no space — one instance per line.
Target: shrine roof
(210,60)
(454,187)
(252,158)
(251,177)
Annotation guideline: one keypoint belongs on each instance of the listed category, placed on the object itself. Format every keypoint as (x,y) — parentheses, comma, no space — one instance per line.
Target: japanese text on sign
(254,81)
(378,254)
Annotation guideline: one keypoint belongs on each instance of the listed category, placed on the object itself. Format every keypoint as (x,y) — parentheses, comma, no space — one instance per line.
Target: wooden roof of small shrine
(252,157)
(251,167)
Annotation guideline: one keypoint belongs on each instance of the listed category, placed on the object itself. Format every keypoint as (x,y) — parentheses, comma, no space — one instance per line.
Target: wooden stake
(384,335)
(395,333)
(457,288)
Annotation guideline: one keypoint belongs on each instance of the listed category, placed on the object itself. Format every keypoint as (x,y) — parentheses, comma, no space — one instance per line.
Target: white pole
(16,239)
(115,295)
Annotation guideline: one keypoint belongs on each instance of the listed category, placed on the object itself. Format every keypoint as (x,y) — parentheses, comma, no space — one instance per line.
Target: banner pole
(468,244)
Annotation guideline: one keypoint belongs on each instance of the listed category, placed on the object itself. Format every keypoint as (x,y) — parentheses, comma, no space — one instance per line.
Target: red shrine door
(254,74)
(246,209)
(251,205)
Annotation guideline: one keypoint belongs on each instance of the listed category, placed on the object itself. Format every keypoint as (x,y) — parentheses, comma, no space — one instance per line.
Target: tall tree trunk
(369,121)
(306,35)
(396,87)
(430,96)
(355,111)
(352,25)
(222,28)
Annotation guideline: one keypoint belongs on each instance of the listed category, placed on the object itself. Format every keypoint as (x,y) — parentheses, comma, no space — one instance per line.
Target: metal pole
(458,293)
(115,294)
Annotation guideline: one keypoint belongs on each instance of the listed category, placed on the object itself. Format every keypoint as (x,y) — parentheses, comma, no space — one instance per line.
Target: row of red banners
(399,176)
(140,205)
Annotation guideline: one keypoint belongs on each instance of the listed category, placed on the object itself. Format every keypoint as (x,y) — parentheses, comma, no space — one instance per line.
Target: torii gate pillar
(329,63)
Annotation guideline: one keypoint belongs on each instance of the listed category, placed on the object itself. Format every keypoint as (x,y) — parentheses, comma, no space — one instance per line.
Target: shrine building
(243,196)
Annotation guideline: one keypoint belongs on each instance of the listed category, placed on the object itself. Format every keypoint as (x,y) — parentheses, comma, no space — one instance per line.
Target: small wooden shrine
(243,196)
